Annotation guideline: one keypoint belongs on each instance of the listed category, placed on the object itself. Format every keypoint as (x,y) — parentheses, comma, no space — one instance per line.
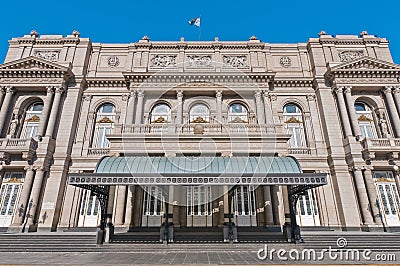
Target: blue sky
(123,21)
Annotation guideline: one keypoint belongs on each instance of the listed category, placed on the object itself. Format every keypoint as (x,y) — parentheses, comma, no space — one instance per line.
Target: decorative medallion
(198,129)
(293,120)
(285,61)
(51,56)
(235,60)
(199,120)
(160,120)
(113,61)
(105,120)
(163,61)
(347,56)
(199,60)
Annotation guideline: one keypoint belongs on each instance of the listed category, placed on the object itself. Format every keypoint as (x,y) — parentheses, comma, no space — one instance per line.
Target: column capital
(9,89)
(396,90)
(132,94)
(338,90)
(87,97)
(39,168)
(218,93)
(50,90)
(179,94)
(310,97)
(126,96)
(140,93)
(347,89)
(29,167)
(59,90)
(257,94)
(387,90)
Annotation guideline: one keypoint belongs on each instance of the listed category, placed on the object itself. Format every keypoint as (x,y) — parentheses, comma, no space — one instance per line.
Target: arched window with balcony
(161,113)
(238,113)
(33,115)
(294,125)
(105,118)
(199,113)
(365,119)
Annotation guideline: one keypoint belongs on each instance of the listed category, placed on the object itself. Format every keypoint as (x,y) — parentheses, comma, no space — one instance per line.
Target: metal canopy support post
(294,193)
(102,193)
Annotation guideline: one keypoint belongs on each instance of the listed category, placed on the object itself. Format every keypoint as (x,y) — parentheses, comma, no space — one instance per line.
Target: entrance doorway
(244,206)
(199,207)
(307,209)
(9,196)
(89,215)
(153,206)
(388,197)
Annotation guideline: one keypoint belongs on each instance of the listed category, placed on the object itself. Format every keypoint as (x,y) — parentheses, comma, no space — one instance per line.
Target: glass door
(388,197)
(153,206)
(89,215)
(307,210)
(9,197)
(244,206)
(199,209)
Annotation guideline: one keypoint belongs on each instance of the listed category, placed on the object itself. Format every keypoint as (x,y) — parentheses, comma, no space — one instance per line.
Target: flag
(195,22)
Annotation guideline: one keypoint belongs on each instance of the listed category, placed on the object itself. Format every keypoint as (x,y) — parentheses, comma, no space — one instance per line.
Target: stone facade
(315,91)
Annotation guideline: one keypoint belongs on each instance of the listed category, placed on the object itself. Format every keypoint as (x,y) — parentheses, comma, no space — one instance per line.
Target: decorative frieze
(351,55)
(163,61)
(235,60)
(199,60)
(51,56)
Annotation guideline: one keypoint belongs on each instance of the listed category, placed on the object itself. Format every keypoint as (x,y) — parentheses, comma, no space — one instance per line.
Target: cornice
(293,82)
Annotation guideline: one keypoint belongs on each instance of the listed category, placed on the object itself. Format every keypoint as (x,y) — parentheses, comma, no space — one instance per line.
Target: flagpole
(200,29)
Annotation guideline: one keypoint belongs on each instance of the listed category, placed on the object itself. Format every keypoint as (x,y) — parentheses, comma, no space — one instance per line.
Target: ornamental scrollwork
(348,56)
(51,56)
(163,61)
(235,60)
(199,60)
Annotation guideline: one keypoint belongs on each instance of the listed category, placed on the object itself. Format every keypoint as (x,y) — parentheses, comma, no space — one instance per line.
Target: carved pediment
(366,63)
(34,67)
(364,68)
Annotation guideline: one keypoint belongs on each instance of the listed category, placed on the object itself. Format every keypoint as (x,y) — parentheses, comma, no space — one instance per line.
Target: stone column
(35,196)
(343,112)
(362,196)
(130,108)
(129,205)
(218,96)
(139,108)
(179,111)
(269,215)
(396,94)
(259,108)
(2,93)
(45,112)
(6,105)
(373,198)
(24,198)
(54,112)
(352,112)
(120,205)
(392,109)
(269,119)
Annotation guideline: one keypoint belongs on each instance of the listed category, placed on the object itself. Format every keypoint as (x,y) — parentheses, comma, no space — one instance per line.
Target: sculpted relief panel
(235,60)
(347,56)
(199,60)
(51,56)
(163,61)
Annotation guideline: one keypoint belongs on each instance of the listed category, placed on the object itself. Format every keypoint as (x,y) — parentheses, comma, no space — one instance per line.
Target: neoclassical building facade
(71,108)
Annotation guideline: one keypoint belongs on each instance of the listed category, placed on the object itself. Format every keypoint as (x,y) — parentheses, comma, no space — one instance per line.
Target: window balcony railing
(26,147)
(98,151)
(384,147)
(201,128)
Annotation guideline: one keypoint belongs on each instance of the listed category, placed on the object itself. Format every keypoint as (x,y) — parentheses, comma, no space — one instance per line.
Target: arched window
(161,113)
(293,120)
(365,120)
(32,120)
(105,118)
(199,113)
(237,113)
